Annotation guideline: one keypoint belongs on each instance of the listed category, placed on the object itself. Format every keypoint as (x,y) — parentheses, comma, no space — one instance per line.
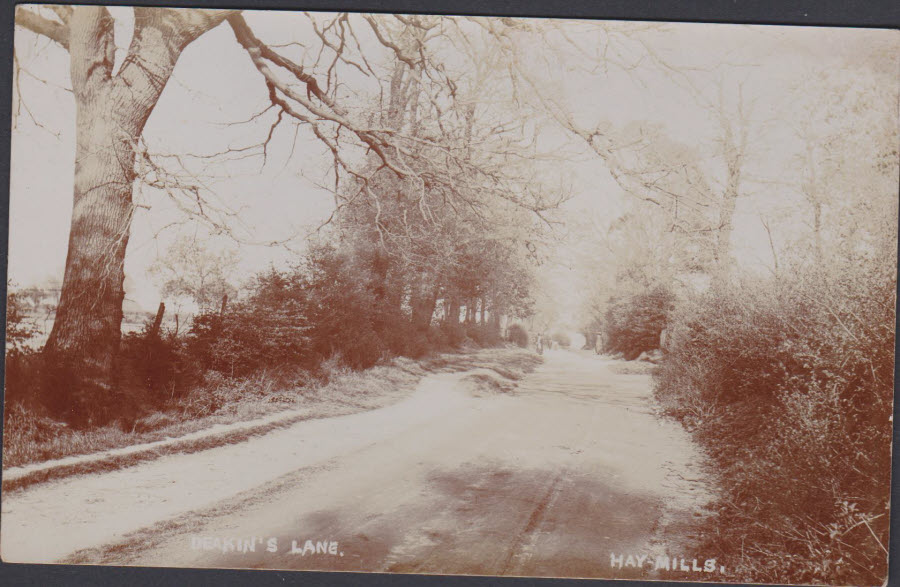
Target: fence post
(157,322)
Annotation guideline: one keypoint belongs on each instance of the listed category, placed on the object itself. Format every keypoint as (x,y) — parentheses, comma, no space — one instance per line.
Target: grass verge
(35,449)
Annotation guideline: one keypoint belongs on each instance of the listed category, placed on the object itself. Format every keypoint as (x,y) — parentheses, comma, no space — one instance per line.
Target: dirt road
(559,477)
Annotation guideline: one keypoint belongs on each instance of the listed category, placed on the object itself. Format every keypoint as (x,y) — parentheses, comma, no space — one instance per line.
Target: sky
(215,85)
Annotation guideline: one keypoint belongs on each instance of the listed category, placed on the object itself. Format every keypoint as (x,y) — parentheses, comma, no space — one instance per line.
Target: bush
(152,369)
(790,386)
(454,333)
(517,335)
(437,338)
(355,309)
(23,378)
(634,323)
(347,303)
(483,335)
(23,365)
(19,330)
(268,329)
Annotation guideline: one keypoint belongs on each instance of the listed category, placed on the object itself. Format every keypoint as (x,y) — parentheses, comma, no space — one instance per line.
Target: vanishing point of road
(570,468)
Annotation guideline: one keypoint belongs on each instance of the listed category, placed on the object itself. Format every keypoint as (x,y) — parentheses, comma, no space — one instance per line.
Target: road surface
(558,477)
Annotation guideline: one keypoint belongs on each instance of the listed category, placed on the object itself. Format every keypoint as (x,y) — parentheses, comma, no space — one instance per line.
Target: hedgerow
(789,386)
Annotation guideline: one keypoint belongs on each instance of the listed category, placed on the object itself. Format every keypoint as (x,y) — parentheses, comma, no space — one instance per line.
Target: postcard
(453,295)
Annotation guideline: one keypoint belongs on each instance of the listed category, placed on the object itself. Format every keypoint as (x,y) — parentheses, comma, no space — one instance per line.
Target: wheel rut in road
(548,480)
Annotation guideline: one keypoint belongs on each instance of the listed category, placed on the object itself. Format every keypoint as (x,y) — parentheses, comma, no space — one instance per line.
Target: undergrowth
(789,388)
(334,388)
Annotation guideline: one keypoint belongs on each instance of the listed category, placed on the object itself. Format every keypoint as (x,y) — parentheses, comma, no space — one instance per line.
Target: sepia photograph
(450,295)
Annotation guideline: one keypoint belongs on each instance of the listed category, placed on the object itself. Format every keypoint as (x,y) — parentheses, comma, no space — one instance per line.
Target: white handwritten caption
(622,561)
(244,545)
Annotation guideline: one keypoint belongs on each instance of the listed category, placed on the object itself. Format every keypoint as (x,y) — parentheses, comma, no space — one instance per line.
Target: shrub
(437,338)
(149,366)
(23,365)
(454,333)
(19,330)
(517,335)
(23,378)
(634,323)
(268,329)
(483,335)
(355,308)
(790,386)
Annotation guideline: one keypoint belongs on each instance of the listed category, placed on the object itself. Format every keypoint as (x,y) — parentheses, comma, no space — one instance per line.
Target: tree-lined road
(571,467)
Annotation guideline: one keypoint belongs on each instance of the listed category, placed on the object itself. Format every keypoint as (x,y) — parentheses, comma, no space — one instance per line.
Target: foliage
(190,270)
(23,378)
(517,335)
(18,328)
(22,369)
(269,328)
(634,322)
(355,304)
(789,384)
(153,371)
(485,335)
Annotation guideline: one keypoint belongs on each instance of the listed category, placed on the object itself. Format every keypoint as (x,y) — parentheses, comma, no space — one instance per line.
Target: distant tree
(845,121)
(18,328)
(114,106)
(190,270)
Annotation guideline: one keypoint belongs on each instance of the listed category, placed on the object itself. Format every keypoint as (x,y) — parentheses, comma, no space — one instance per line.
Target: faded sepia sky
(215,84)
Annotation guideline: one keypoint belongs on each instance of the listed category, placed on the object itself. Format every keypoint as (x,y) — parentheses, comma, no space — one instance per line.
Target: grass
(786,512)
(31,439)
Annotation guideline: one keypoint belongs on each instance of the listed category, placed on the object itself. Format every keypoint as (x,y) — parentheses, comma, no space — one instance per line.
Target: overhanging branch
(36,23)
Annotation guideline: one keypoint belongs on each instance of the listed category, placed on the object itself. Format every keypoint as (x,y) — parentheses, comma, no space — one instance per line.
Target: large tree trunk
(85,335)
(111,112)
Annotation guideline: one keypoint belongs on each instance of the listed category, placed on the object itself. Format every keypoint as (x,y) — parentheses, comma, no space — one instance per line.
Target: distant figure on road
(598,344)
(539,344)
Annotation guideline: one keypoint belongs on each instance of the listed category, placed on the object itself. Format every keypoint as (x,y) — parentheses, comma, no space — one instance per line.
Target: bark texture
(111,111)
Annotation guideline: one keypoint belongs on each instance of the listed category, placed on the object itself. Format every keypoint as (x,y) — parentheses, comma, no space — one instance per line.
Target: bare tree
(111,113)
(650,166)
(113,107)
(846,154)
(190,270)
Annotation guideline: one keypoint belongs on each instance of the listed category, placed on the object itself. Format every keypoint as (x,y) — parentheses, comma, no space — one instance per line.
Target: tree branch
(63,13)
(387,43)
(333,112)
(43,26)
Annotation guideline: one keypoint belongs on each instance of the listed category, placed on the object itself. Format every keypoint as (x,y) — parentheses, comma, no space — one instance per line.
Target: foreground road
(552,479)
